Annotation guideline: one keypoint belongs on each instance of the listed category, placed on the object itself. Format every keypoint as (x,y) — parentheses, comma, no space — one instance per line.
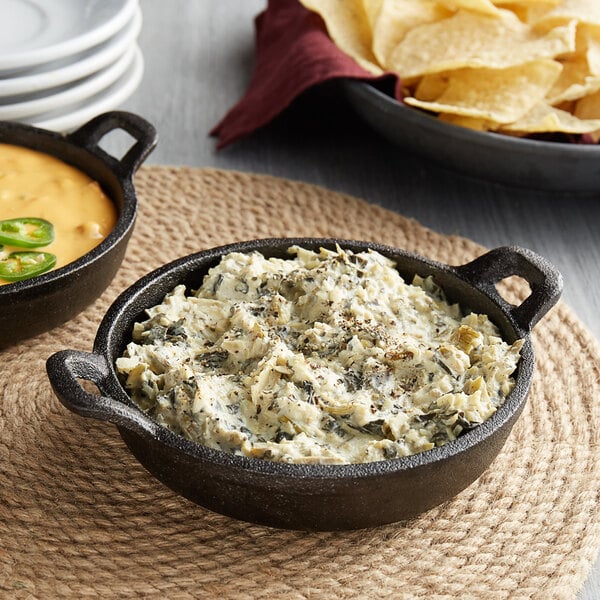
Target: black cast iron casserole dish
(316,497)
(35,305)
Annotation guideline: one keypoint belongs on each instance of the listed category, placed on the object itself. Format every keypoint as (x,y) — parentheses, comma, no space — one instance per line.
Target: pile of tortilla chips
(513,66)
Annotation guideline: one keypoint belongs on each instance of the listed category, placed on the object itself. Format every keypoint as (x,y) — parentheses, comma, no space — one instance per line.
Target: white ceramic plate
(54,74)
(34,32)
(73,116)
(35,104)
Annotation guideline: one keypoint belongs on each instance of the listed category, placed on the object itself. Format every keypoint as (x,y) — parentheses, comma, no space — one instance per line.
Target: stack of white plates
(62,62)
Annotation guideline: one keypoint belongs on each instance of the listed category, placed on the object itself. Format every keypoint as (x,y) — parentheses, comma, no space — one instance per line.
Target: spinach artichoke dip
(326,357)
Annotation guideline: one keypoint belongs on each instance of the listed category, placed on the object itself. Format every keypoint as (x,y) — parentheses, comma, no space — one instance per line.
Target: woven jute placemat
(80,517)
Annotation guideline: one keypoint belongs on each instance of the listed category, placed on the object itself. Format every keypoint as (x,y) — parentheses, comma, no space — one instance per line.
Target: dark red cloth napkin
(293,53)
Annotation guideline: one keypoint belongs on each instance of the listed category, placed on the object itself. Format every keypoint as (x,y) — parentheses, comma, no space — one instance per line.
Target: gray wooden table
(199,57)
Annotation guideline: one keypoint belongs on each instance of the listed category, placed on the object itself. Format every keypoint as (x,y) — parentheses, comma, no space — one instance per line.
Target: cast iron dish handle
(67,367)
(498,264)
(89,135)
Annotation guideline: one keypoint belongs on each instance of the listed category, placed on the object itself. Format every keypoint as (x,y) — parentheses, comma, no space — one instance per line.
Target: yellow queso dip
(34,184)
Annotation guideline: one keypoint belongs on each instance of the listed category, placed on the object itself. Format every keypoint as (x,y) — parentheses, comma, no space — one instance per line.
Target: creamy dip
(34,184)
(327,357)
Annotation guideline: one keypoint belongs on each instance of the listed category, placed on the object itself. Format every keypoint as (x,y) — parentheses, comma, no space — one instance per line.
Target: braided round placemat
(80,517)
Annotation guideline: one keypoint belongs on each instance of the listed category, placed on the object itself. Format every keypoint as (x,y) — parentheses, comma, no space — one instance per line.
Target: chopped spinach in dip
(326,357)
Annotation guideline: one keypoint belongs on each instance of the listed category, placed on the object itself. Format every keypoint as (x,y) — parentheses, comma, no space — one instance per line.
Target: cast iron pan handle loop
(543,278)
(89,135)
(66,367)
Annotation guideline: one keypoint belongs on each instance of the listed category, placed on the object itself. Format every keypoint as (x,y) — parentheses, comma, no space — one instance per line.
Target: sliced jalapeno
(26,232)
(23,265)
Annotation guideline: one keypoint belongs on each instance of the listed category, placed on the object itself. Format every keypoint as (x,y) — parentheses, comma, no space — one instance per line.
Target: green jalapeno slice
(24,265)
(26,232)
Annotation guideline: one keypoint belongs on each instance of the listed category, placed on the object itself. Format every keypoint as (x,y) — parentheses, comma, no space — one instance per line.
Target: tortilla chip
(532,11)
(588,107)
(581,69)
(469,40)
(543,118)
(431,87)
(396,18)
(574,82)
(526,3)
(589,38)
(582,11)
(483,6)
(372,9)
(500,95)
(348,27)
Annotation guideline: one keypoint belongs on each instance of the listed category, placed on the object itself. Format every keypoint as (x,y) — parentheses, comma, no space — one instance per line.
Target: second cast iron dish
(302,496)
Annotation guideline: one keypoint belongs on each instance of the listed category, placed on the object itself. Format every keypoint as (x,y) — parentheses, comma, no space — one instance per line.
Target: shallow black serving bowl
(35,305)
(317,497)
(521,162)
